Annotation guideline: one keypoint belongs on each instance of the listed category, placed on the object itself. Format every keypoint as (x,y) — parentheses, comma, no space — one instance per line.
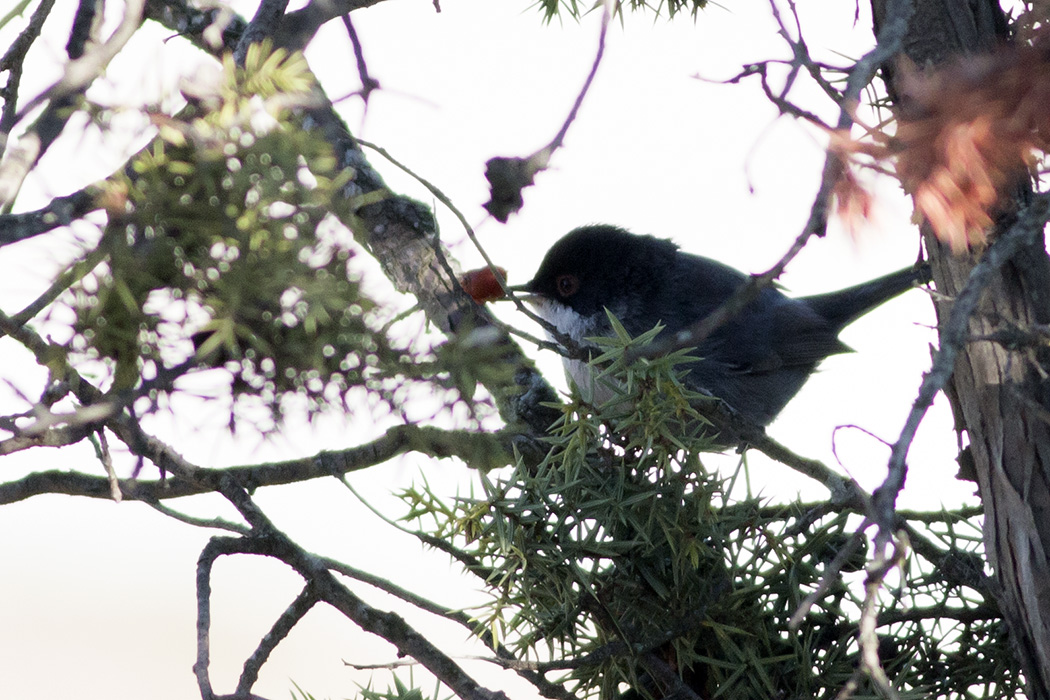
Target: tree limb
(954,333)
(323,584)
(268,16)
(473,447)
(300,26)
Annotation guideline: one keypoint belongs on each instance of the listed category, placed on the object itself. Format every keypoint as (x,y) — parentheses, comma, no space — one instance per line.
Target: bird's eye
(567,285)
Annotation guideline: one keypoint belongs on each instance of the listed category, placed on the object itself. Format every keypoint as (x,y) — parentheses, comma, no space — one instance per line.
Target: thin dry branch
(830,577)
(867,633)
(565,345)
(887,45)
(504,656)
(266,539)
(13,62)
(271,542)
(53,437)
(368,83)
(509,176)
(216,547)
(469,562)
(280,629)
(76,77)
(210,523)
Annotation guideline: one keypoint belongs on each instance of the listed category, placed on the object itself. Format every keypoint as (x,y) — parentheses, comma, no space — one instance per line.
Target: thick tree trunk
(1000,393)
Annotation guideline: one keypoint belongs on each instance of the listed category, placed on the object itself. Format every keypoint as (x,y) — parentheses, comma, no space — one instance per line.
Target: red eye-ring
(567,285)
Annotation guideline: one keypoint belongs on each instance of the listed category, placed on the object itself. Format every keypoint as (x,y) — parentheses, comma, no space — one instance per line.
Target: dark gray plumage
(756,362)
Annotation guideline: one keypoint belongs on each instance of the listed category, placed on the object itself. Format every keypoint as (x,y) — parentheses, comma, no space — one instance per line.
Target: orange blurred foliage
(965,135)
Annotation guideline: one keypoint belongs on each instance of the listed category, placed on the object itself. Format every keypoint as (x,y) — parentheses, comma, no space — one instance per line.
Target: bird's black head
(595,266)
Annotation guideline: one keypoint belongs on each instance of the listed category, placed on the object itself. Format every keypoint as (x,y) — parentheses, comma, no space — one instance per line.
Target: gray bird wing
(771,333)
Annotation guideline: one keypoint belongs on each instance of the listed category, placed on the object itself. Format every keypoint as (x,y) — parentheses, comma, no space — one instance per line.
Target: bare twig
(888,43)
(280,629)
(81,72)
(780,101)
(469,562)
(565,345)
(509,176)
(845,492)
(368,83)
(210,523)
(107,464)
(388,666)
(13,61)
(70,276)
(270,541)
(216,547)
(867,635)
(831,575)
(267,539)
(77,76)
(544,154)
(503,655)
(54,437)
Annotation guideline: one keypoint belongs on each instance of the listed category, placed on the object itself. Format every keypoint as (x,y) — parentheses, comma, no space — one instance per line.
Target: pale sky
(97,598)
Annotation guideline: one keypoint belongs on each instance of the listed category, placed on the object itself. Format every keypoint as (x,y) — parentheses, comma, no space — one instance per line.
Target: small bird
(756,362)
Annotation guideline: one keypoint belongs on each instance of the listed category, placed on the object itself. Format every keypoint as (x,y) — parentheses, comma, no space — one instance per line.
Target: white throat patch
(577,327)
(566,320)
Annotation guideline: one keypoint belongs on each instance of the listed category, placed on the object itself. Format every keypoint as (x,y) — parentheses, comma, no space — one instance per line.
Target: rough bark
(999,391)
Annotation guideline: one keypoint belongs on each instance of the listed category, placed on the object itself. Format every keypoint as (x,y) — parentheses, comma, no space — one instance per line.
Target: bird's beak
(526,292)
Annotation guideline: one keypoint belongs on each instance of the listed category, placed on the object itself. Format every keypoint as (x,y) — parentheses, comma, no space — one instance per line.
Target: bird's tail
(846,305)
